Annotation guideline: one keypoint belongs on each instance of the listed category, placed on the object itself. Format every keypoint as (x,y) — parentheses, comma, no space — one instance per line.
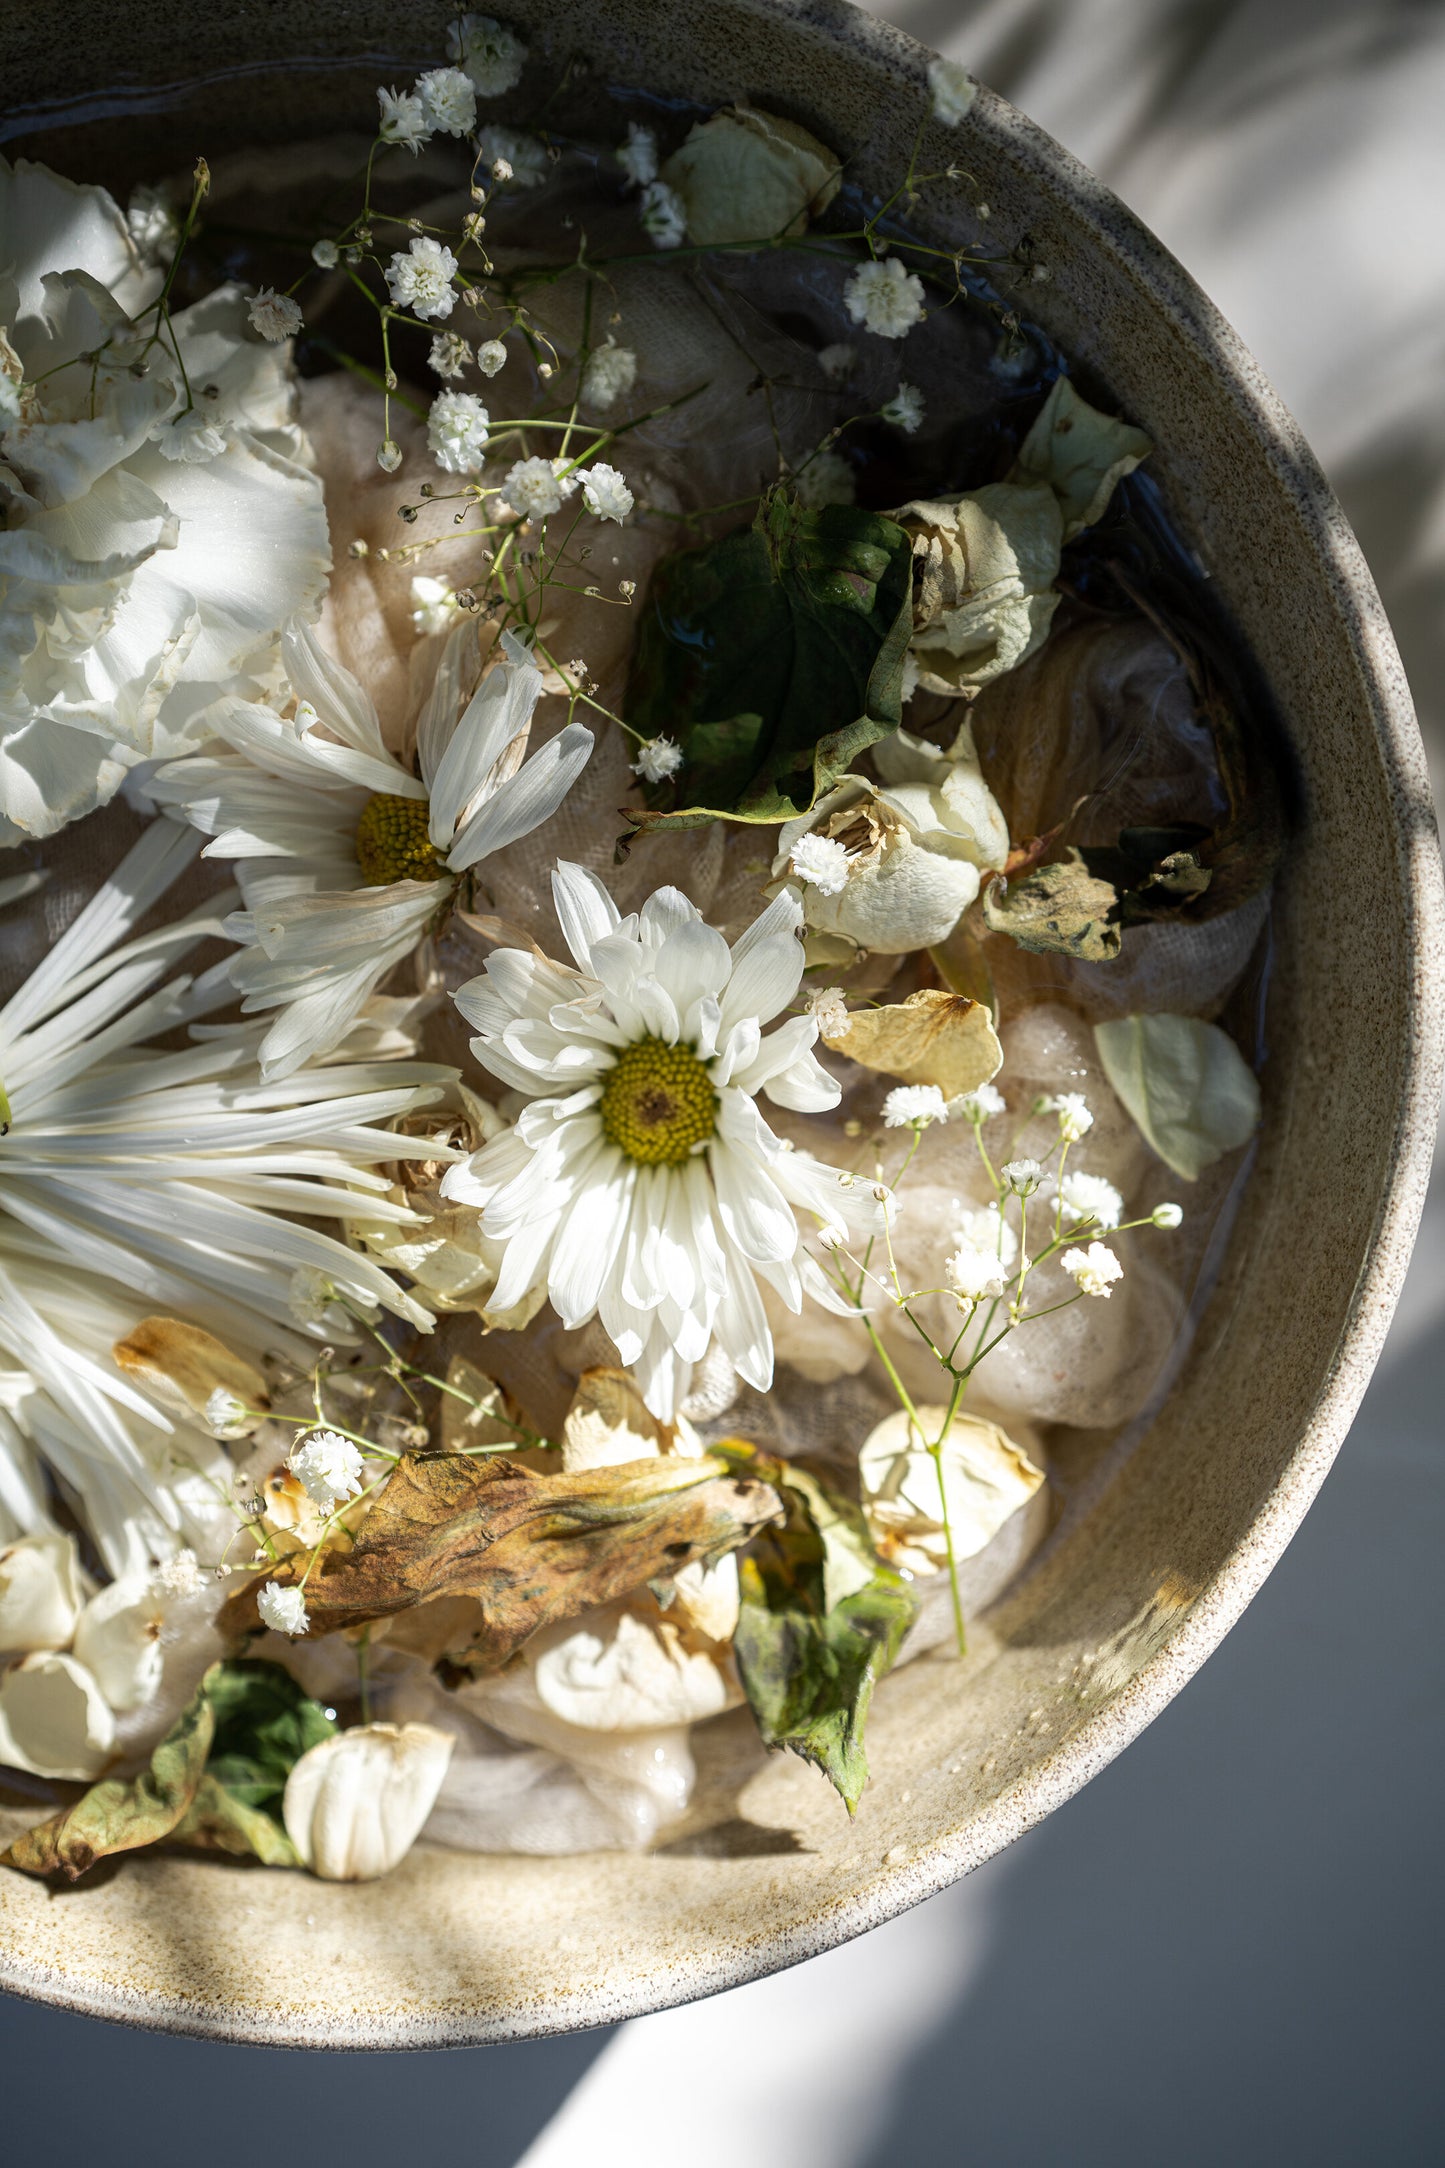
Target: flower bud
(1167,1215)
(355,1804)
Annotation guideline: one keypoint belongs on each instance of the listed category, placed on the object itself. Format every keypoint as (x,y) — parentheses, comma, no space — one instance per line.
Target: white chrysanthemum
(403,119)
(456,429)
(605,492)
(975,1274)
(133,587)
(905,409)
(535,488)
(1090,1197)
(153,225)
(283,1609)
(449,100)
(820,861)
(523,156)
(364,855)
(449,355)
(1075,1120)
(488,53)
(491,356)
(663,215)
(826,478)
(657,759)
(610,374)
(910,1104)
(954,91)
(885,297)
(328,1467)
(420,278)
(275,316)
(1023,1176)
(1094,1270)
(979,1105)
(642,1184)
(638,155)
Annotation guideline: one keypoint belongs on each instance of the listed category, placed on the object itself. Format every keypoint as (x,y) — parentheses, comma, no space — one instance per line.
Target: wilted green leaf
(1185,1083)
(774,657)
(1056,910)
(264,1724)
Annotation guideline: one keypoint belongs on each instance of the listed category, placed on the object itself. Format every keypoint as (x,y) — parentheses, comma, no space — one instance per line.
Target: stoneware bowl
(1115,1619)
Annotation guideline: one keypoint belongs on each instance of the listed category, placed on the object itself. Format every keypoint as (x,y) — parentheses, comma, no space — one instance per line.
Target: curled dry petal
(931,1038)
(609,1424)
(183,1366)
(54,1719)
(986,1478)
(746,175)
(629,1668)
(354,1805)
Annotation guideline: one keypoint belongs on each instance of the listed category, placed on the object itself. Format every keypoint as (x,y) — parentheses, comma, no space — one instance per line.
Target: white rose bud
(355,1805)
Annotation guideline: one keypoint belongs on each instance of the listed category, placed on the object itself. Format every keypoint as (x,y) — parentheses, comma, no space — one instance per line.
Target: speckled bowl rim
(1093,1744)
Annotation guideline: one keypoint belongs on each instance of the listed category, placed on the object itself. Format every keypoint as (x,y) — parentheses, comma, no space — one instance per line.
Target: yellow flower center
(392,843)
(658,1103)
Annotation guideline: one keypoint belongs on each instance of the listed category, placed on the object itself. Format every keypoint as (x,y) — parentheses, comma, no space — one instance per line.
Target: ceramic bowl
(1114,1620)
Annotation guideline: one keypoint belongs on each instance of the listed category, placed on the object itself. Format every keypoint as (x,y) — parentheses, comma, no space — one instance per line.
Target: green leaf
(773,656)
(214,1782)
(1186,1085)
(1056,910)
(820,1621)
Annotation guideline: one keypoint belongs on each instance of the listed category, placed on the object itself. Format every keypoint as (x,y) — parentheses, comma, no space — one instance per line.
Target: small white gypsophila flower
(1075,1120)
(1167,1215)
(954,91)
(524,157)
(610,374)
(979,1105)
(456,429)
(179,1576)
(313,1298)
(502,169)
(325,255)
(885,297)
(1023,1176)
(638,155)
(403,119)
(421,278)
(434,605)
(488,53)
(449,100)
(449,355)
(911,675)
(914,1105)
(1094,1270)
(11,400)
(829,1005)
(491,356)
(192,438)
(152,224)
(388,455)
(836,362)
(275,316)
(974,1274)
(985,1228)
(1090,1197)
(605,492)
(663,215)
(226,1415)
(826,478)
(328,1467)
(534,488)
(283,1609)
(905,409)
(822,862)
(657,759)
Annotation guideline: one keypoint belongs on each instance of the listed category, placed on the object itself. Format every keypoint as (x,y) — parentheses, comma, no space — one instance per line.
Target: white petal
(765,980)
(584,908)
(526,799)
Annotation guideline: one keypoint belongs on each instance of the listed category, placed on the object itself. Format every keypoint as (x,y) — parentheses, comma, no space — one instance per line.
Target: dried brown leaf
(931,1038)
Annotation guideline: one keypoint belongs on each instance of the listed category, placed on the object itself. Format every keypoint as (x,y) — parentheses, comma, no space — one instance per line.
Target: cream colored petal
(40,1593)
(354,1805)
(54,1720)
(985,1477)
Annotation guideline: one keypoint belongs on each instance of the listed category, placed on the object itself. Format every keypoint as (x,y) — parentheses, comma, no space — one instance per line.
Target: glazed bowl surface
(1113,1620)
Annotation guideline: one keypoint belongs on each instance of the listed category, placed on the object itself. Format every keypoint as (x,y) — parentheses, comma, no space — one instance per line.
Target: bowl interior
(1113,1620)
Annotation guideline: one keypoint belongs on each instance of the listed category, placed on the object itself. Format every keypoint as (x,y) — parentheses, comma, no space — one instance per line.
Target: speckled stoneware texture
(1114,1619)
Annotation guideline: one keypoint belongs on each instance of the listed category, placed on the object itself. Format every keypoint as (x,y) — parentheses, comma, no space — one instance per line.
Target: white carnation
(975,1274)
(905,409)
(534,488)
(449,355)
(1090,1197)
(908,1104)
(657,759)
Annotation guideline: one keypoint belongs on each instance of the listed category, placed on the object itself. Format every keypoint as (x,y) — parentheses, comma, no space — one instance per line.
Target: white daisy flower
(328,1467)
(275,316)
(347,857)
(449,100)
(663,215)
(1094,1270)
(905,409)
(420,278)
(449,355)
(638,155)
(535,488)
(1090,1197)
(885,297)
(489,54)
(953,89)
(610,373)
(605,492)
(657,759)
(908,1104)
(403,120)
(456,429)
(642,1184)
